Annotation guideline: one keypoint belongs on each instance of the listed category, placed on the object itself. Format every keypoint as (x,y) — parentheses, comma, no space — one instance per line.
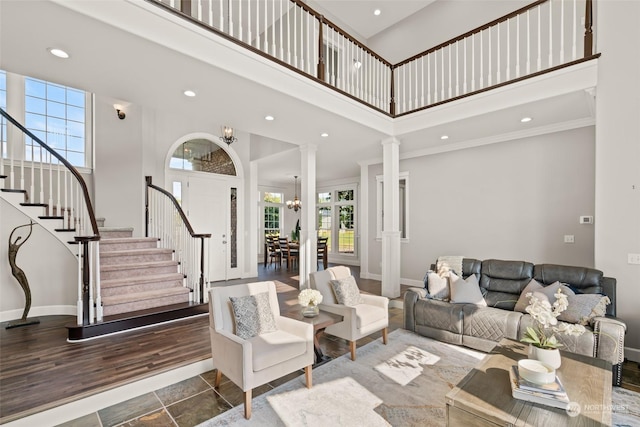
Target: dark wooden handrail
(472,32)
(175,203)
(71,168)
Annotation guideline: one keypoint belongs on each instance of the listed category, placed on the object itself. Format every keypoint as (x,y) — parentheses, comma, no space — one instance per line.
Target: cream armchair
(360,320)
(252,362)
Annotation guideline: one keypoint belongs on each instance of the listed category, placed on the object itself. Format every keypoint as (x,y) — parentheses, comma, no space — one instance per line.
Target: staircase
(123,282)
(136,274)
(140,285)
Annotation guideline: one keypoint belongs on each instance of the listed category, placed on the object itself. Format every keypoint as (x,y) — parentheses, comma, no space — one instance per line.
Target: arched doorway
(207,181)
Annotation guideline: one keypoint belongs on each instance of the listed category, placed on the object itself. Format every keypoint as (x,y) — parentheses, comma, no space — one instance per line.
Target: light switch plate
(633,258)
(586,219)
(569,238)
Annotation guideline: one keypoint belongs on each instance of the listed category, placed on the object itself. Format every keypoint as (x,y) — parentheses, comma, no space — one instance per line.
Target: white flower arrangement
(546,318)
(309,297)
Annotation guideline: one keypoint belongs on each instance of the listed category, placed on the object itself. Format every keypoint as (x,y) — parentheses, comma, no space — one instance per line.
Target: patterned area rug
(400,384)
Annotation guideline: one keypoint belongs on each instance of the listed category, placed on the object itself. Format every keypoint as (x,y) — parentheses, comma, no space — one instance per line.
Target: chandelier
(227,135)
(295,204)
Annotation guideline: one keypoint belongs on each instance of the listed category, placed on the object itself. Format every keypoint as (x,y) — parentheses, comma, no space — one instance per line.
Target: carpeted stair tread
(137,280)
(143,296)
(137,266)
(142,251)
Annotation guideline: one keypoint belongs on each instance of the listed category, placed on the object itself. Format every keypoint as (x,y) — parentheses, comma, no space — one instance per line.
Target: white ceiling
(150,74)
(358,15)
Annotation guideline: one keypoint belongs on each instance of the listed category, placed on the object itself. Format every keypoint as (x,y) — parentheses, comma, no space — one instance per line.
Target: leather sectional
(501,283)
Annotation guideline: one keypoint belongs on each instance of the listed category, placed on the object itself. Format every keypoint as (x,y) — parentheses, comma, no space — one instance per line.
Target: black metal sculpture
(14,246)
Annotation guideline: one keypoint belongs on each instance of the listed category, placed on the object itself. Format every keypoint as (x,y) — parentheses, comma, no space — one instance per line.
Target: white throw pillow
(438,286)
(466,291)
(253,315)
(346,291)
(548,291)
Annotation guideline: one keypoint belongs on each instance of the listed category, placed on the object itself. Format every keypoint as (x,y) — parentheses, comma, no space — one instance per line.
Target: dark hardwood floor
(39,369)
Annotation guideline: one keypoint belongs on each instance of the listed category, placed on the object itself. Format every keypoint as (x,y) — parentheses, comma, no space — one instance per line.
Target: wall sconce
(118,108)
(227,135)
(295,204)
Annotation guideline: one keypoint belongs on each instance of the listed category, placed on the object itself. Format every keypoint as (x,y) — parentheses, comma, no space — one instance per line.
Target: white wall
(51,279)
(618,158)
(437,23)
(512,200)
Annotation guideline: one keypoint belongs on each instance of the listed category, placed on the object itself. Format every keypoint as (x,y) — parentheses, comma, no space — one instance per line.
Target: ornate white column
(253,199)
(391,223)
(308,233)
(363,228)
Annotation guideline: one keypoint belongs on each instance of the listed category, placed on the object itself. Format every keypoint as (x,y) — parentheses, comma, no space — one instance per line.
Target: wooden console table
(483,397)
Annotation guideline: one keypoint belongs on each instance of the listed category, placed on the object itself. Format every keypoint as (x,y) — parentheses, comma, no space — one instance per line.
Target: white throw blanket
(449,263)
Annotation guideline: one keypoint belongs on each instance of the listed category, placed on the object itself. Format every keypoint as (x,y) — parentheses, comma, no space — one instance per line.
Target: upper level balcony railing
(541,37)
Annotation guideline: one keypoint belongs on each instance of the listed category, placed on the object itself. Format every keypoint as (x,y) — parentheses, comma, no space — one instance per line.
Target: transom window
(204,156)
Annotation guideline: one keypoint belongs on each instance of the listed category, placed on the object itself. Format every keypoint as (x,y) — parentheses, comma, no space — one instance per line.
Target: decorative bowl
(536,371)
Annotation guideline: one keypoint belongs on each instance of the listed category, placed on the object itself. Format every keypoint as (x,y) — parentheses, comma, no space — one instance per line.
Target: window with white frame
(272,204)
(58,115)
(403,222)
(337,219)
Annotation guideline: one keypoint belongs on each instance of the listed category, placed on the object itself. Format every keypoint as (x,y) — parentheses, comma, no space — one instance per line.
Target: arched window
(204,156)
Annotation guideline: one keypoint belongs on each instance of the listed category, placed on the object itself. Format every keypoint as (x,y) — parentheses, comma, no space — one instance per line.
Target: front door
(207,202)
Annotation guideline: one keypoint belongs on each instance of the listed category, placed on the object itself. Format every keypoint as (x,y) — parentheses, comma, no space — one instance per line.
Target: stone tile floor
(194,400)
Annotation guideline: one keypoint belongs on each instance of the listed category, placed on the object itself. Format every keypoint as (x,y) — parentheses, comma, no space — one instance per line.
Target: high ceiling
(111,61)
(358,15)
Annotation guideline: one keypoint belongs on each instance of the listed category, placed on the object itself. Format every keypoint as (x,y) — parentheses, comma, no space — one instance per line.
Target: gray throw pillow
(438,286)
(466,291)
(253,315)
(584,307)
(548,291)
(346,291)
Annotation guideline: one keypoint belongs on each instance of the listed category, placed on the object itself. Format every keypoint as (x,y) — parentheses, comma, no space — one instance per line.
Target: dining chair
(322,252)
(289,254)
(273,251)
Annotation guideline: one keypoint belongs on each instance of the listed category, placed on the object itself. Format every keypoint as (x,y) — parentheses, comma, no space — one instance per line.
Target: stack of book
(552,394)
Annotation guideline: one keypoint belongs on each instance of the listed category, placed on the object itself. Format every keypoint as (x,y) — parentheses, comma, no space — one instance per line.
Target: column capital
(312,148)
(390,140)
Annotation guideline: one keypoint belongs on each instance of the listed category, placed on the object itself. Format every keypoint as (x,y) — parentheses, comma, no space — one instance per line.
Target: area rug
(400,384)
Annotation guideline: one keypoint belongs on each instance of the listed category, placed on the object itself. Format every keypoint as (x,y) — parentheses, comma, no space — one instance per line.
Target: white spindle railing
(293,33)
(58,190)
(167,222)
(492,54)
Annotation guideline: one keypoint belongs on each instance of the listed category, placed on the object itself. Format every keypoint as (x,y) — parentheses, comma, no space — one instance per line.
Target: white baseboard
(632,354)
(47,310)
(88,405)
(407,282)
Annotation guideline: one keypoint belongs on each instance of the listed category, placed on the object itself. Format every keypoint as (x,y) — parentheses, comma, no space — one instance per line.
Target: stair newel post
(588,30)
(392,102)
(148,181)
(201,299)
(86,269)
(99,310)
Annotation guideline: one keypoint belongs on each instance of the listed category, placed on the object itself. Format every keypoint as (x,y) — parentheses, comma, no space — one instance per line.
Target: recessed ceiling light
(444,137)
(526,119)
(269,118)
(189,93)
(58,52)
(324,134)
(377,12)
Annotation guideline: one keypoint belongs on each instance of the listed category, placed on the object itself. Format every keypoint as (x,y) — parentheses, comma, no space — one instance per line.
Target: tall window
(56,115)
(336,220)
(272,204)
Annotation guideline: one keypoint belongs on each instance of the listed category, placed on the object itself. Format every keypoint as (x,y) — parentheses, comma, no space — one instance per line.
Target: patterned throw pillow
(466,290)
(253,315)
(548,291)
(438,286)
(584,307)
(346,291)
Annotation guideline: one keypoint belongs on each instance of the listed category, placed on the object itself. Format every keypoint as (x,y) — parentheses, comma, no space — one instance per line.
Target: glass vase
(310,310)
(548,356)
